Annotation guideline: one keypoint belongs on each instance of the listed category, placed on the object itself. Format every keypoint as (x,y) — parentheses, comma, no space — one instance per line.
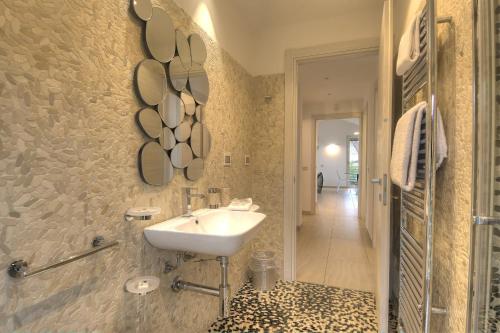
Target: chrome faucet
(188,194)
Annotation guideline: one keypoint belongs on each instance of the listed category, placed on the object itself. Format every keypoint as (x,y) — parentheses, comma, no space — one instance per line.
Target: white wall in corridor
(334,131)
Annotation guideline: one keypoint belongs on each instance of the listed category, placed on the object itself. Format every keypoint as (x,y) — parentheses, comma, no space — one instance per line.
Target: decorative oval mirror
(200,140)
(155,166)
(183,49)
(199,113)
(150,122)
(178,74)
(151,81)
(181,155)
(178,121)
(160,36)
(198,84)
(171,109)
(189,103)
(183,132)
(194,171)
(198,49)
(167,139)
(143,9)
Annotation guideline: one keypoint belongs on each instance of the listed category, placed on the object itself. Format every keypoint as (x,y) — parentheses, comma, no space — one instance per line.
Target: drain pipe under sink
(222,292)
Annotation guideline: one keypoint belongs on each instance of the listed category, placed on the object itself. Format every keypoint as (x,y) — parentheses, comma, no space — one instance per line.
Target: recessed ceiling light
(356,133)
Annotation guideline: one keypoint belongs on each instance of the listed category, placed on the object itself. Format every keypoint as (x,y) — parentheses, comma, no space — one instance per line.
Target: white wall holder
(141,213)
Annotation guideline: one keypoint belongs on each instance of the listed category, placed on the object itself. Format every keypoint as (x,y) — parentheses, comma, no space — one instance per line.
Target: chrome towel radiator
(417,206)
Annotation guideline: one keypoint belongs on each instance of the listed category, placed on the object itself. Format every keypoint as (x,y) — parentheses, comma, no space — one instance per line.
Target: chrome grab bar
(19,268)
(486,220)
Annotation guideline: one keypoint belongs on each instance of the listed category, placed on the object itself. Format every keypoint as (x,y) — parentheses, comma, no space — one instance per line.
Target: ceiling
(257,33)
(337,81)
(262,14)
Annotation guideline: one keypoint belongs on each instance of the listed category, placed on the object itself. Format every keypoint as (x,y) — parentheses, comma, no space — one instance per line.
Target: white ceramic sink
(218,232)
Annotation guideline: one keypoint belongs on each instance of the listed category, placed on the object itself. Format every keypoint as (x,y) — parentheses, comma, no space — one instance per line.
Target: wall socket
(227,159)
(247,159)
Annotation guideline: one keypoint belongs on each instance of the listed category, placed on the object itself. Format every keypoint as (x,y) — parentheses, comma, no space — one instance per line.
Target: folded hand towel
(409,47)
(441,145)
(406,146)
(240,204)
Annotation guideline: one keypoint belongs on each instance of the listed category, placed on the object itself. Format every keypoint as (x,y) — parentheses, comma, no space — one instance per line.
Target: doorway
(378,136)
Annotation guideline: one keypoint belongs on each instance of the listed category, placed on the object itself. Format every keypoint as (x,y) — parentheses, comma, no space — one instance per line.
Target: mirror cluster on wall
(174,86)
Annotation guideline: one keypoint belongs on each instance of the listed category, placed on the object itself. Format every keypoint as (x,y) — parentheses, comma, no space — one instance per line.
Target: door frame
(291,205)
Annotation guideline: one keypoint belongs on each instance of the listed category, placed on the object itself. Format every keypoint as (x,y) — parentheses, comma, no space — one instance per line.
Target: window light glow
(203,17)
(332,149)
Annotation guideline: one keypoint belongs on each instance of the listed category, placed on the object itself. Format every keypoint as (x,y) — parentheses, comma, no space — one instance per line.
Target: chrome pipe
(222,292)
(224,289)
(179,284)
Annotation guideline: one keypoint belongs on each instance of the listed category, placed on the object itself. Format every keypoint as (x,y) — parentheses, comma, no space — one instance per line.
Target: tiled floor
(300,307)
(333,247)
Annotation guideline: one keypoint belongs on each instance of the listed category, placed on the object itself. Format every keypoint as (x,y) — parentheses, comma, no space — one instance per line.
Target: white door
(381,192)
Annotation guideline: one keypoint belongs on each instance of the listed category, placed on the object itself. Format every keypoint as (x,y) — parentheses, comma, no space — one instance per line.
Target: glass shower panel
(484,292)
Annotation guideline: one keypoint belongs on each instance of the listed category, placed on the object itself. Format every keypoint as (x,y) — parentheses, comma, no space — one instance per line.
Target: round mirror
(160,35)
(151,81)
(198,84)
(150,122)
(171,109)
(183,49)
(200,140)
(178,74)
(143,9)
(167,139)
(194,171)
(181,155)
(198,49)
(189,103)
(182,132)
(155,166)
(199,112)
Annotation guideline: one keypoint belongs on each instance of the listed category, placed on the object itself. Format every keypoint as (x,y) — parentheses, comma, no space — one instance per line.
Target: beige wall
(453,187)
(69,145)
(268,161)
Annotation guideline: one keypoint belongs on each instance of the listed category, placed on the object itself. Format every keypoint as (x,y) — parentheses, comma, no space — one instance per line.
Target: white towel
(441,144)
(240,204)
(406,145)
(409,46)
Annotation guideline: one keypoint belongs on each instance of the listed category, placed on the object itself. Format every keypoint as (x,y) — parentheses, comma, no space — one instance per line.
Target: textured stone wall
(68,168)
(453,187)
(268,159)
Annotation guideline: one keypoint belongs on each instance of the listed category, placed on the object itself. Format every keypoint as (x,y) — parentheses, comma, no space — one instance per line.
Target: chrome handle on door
(376,181)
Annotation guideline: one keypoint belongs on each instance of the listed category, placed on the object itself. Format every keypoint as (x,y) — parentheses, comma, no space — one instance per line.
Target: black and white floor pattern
(300,307)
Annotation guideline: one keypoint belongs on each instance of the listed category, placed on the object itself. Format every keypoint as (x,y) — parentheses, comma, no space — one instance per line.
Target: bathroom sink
(219,232)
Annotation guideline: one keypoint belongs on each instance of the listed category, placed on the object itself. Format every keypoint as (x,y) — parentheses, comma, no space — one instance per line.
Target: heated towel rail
(417,206)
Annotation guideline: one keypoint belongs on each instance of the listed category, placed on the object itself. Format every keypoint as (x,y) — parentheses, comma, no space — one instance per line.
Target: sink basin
(219,232)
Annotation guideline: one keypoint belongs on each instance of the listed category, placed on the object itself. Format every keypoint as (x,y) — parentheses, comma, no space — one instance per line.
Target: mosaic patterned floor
(300,307)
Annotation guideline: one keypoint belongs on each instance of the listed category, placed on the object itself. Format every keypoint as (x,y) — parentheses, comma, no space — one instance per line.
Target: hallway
(333,247)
